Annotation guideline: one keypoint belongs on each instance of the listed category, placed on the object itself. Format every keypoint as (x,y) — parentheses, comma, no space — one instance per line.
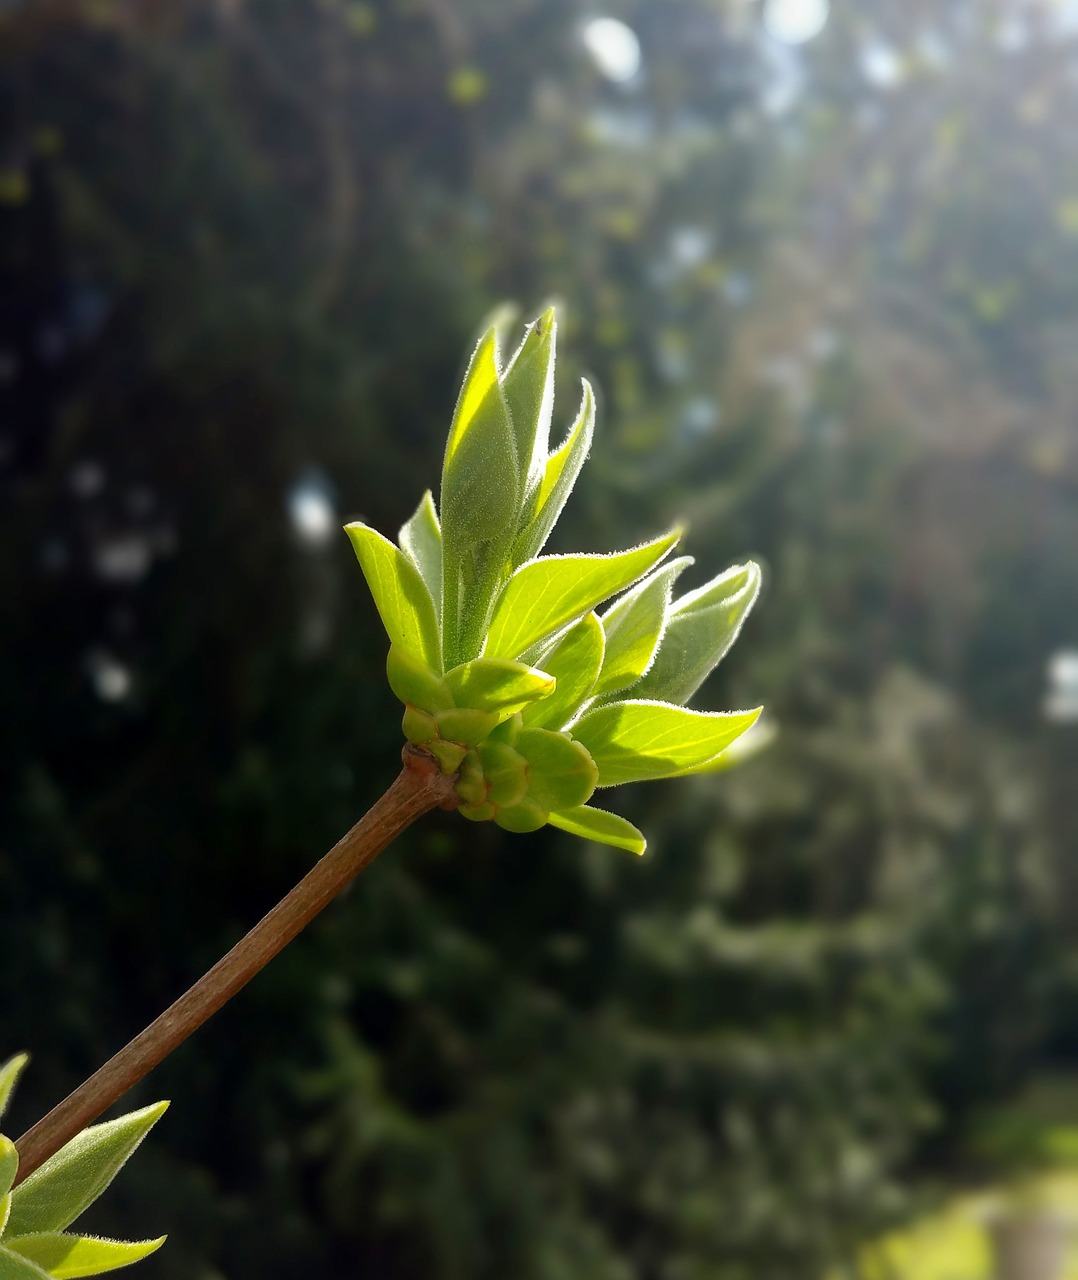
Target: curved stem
(419,788)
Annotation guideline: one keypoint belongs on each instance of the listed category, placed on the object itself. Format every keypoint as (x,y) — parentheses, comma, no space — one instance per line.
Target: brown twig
(419,788)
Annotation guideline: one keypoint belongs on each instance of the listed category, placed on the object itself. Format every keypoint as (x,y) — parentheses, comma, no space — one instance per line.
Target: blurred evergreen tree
(827,295)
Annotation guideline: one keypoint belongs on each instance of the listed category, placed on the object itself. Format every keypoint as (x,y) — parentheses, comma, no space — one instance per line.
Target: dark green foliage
(838,339)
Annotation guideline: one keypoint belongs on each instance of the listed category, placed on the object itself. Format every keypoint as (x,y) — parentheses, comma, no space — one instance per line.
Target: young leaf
(9,1164)
(497,684)
(700,629)
(421,541)
(598,825)
(400,595)
(480,500)
(53,1196)
(528,384)
(561,774)
(65,1257)
(575,662)
(15,1267)
(559,475)
(546,594)
(9,1075)
(634,627)
(639,740)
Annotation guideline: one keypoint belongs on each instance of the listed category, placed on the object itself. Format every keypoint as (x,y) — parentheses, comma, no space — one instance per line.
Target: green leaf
(575,662)
(634,627)
(5,1210)
(561,773)
(700,629)
(54,1195)
(598,825)
(559,475)
(638,740)
(481,496)
(9,1075)
(9,1164)
(528,384)
(498,684)
(68,1256)
(15,1267)
(549,593)
(400,595)
(421,541)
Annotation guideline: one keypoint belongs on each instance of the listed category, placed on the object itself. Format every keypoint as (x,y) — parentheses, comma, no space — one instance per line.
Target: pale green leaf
(528,384)
(559,475)
(54,1195)
(561,774)
(9,1164)
(421,541)
(9,1075)
(497,684)
(66,1257)
(639,740)
(15,1267)
(634,627)
(700,629)
(751,744)
(549,593)
(480,502)
(403,602)
(574,661)
(598,825)
(5,1210)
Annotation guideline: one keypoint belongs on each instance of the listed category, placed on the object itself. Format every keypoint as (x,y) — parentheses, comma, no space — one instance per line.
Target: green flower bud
(414,682)
(478,812)
(506,772)
(525,816)
(418,726)
(465,724)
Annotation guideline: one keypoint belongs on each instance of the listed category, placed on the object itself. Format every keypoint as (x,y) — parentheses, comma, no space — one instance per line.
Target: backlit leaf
(549,593)
(54,1195)
(634,626)
(528,384)
(401,597)
(66,1257)
(9,1164)
(14,1266)
(497,684)
(559,475)
(700,629)
(9,1075)
(598,825)
(639,740)
(575,662)
(421,541)
(480,502)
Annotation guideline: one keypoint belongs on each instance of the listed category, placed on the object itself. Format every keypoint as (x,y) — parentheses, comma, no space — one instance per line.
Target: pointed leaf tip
(53,1196)
(9,1077)
(600,826)
(69,1257)
(641,740)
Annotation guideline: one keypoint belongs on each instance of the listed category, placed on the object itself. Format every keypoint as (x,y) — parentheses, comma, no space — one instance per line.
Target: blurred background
(822,262)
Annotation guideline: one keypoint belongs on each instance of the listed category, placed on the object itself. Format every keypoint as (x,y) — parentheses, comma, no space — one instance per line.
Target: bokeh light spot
(614,48)
(795,21)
